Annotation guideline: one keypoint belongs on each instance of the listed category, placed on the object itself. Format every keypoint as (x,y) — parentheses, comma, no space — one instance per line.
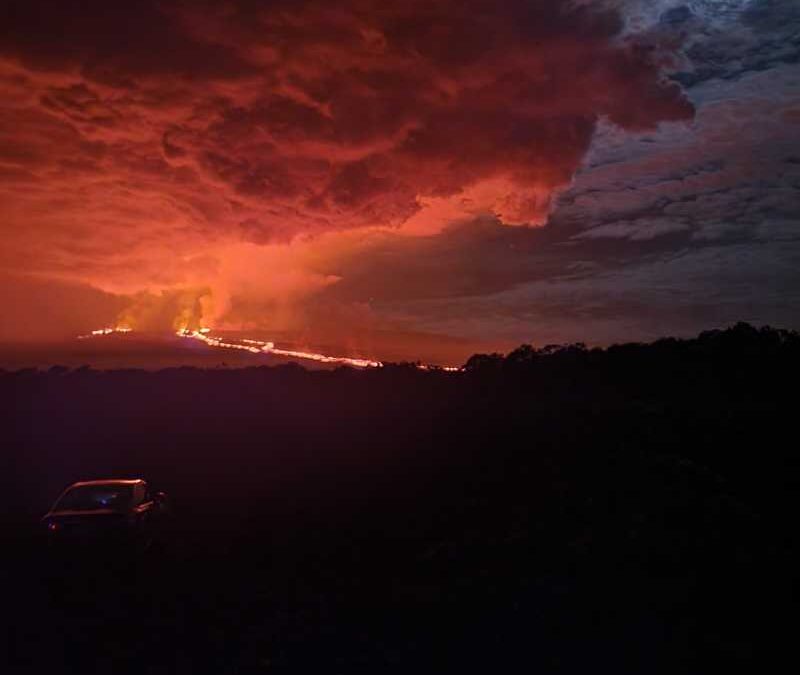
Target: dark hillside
(561,510)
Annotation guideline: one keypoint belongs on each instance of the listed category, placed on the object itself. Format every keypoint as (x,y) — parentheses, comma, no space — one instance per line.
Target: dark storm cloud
(303,117)
(110,41)
(762,36)
(665,231)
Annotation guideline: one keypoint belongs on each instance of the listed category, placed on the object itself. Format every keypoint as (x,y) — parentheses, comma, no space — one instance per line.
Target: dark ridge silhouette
(562,509)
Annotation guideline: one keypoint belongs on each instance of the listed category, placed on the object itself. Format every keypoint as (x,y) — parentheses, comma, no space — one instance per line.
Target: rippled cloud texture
(360,166)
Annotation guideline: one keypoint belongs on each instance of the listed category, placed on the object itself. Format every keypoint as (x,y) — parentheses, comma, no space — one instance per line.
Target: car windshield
(91,497)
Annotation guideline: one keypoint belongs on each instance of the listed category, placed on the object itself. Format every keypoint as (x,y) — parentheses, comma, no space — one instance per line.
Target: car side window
(139,492)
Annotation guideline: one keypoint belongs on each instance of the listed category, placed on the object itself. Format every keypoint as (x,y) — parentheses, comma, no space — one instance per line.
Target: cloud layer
(138,138)
(355,167)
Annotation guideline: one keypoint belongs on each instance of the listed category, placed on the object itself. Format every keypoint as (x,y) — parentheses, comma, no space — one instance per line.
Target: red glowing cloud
(140,141)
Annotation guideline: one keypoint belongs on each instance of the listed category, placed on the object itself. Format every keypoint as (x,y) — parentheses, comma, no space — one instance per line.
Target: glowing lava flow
(104,331)
(262,347)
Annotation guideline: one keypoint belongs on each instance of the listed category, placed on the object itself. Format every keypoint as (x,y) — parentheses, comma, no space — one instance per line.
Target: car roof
(109,481)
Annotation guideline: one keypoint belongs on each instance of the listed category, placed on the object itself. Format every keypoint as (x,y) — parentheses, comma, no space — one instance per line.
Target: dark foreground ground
(626,511)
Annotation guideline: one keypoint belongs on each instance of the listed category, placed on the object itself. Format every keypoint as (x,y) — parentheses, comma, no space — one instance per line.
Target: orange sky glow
(371,175)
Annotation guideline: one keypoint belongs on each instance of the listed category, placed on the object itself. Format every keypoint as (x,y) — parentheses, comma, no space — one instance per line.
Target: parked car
(107,511)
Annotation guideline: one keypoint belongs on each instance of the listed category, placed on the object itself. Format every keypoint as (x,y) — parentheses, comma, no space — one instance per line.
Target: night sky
(487,172)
